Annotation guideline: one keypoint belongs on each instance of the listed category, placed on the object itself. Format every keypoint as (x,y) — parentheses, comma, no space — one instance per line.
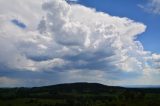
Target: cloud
(65,43)
(9,82)
(153,6)
(103,38)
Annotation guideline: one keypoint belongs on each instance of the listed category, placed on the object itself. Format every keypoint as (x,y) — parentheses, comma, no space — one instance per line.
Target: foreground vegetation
(79,94)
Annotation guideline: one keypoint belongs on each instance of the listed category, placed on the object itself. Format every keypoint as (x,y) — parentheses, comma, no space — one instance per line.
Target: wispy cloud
(73,0)
(152,6)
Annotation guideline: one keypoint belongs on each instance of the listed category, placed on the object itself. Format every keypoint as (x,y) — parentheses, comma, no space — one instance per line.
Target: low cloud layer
(65,43)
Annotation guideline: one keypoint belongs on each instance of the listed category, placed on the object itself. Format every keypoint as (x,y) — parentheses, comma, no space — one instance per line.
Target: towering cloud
(72,42)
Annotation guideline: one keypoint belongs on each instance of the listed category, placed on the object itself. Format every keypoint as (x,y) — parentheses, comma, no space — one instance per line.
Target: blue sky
(130,8)
(45,43)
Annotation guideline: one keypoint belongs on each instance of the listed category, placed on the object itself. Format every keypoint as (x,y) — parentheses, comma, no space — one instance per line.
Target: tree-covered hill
(79,94)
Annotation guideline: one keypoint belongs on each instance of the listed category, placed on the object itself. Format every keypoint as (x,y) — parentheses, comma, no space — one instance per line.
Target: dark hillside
(79,94)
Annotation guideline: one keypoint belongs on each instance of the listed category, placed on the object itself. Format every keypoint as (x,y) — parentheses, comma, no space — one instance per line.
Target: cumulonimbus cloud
(72,40)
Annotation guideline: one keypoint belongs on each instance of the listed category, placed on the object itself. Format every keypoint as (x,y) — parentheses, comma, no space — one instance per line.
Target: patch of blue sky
(18,23)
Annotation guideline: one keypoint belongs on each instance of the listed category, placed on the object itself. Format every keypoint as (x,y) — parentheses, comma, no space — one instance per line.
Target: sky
(45,42)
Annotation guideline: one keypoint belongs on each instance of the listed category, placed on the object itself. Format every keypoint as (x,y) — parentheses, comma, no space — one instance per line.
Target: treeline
(79,94)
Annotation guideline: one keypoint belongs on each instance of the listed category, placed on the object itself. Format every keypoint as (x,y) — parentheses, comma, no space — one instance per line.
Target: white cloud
(72,39)
(152,6)
(112,36)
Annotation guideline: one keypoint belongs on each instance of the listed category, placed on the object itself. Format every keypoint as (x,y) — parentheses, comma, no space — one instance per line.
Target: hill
(79,94)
